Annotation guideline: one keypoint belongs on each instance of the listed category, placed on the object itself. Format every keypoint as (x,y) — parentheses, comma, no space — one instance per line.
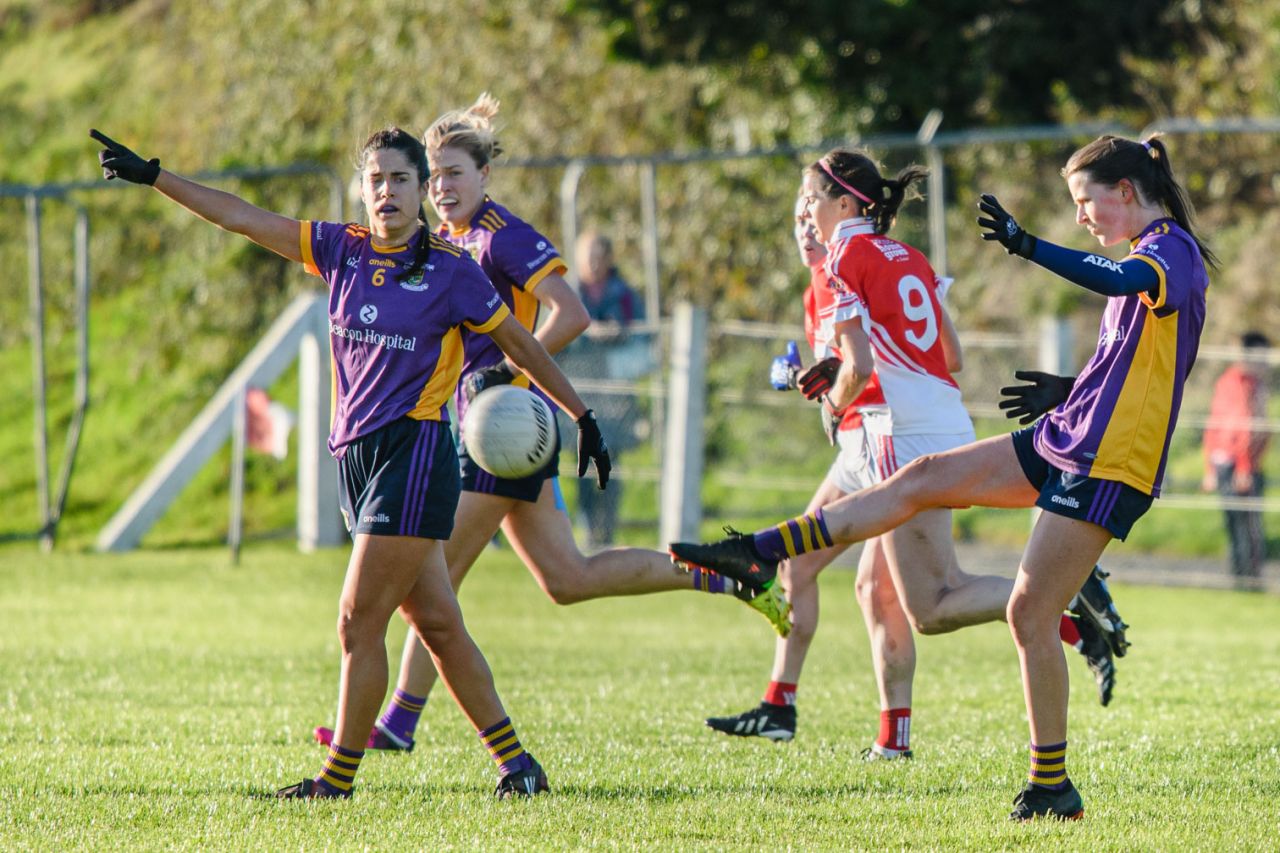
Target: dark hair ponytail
(844,172)
(421,251)
(893,193)
(1111,159)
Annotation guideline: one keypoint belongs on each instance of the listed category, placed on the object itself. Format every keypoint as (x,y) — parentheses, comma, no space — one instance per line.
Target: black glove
(591,446)
(486,377)
(1028,402)
(1004,228)
(817,378)
(119,162)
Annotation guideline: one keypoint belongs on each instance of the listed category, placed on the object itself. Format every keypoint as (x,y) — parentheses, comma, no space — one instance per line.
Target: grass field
(153,700)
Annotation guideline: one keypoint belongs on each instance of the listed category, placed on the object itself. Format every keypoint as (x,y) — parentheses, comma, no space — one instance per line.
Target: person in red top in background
(1233,448)
(856,467)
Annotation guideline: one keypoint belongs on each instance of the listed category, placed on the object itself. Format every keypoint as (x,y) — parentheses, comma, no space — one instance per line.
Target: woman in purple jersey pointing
(1093,464)
(399,301)
(527,271)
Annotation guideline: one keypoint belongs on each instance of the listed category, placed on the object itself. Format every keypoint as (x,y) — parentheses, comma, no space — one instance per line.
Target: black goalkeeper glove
(817,378)
(591,446)
(119,162)
(1004,228)
(487,377)
(1028,402)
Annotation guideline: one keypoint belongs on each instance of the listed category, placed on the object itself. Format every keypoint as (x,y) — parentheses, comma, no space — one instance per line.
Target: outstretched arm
(270,230)
(1090,271)
(1094,272)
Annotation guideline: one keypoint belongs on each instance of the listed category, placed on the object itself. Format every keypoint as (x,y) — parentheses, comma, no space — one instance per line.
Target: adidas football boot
(775,722)
(522,783)
(1038,801)
(876,752)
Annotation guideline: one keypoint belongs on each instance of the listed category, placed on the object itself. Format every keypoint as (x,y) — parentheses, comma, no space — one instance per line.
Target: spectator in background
(1234,442)
(613,306)
(606,294)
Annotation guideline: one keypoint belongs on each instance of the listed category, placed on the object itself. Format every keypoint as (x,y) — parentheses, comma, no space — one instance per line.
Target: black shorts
(400,480)
(1106,503)
(527,489)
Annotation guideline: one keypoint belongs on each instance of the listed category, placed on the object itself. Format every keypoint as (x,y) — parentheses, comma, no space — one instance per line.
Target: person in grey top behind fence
(610,351)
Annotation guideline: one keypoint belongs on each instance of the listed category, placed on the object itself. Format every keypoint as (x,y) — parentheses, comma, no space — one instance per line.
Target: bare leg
(1059,556)
(893,647)
(985,473)
(474,523)
(912,509)
(543,537)
(937,596)
(380,573)
(799,576)
(432,609)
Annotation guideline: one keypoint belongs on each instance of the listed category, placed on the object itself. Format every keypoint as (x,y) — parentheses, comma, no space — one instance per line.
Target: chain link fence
(765,452)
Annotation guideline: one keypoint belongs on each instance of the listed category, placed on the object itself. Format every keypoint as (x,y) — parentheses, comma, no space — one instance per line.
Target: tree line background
(223,84)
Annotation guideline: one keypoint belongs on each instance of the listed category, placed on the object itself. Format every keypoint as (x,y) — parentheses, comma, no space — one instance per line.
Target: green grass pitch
(154,700)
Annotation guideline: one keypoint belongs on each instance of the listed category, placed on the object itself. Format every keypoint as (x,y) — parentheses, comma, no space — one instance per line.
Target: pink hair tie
(823,164)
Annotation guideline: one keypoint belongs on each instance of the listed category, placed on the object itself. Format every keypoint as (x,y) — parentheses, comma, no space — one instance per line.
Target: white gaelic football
(509,431)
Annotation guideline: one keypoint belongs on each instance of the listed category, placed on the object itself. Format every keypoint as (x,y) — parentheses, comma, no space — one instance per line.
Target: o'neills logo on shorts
(1069,502)
(380,518)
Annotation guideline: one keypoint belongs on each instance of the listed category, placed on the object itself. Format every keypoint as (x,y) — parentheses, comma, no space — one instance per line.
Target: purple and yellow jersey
(516,258)
(1119,418)
(397,345)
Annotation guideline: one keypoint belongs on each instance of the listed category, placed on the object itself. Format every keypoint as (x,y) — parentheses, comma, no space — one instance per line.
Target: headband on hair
(823,164)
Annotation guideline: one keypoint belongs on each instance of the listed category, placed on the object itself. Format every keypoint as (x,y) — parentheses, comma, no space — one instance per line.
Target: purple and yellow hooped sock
(503,744)
(793,538)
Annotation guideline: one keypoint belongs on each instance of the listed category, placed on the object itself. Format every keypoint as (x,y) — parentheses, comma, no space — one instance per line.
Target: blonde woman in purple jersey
(527,271)
(1093,464)
(399,300)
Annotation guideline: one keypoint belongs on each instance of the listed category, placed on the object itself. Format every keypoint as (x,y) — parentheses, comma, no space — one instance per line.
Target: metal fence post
(337,197)
(317,480)
(937,184)
(76,429)
(649,218)
(1056,346)
(686,407)
(235,523)
(569,218)
(39,386)
(652,289)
